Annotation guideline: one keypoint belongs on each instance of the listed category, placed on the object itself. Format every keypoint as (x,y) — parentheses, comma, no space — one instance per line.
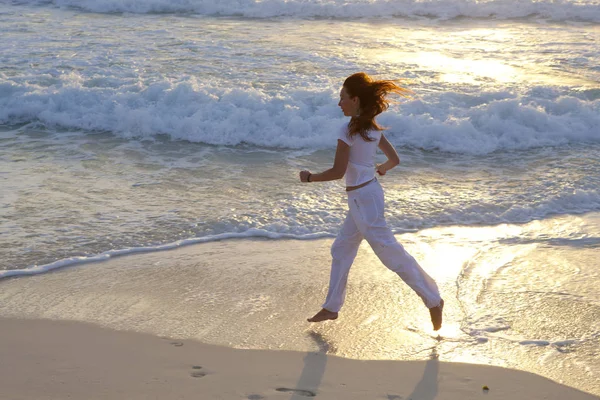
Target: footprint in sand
(177,344)
(197,373)
(255,397)
(300,392)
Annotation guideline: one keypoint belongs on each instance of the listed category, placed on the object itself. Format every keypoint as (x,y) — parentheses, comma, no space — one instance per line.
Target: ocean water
(139,126)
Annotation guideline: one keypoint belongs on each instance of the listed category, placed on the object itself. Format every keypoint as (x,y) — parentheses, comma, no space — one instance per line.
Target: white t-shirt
(361,165)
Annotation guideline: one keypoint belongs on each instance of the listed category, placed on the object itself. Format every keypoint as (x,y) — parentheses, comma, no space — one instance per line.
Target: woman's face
(349,105)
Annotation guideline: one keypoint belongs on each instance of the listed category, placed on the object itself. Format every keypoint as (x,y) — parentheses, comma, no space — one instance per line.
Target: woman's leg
(367,208)
(343,252)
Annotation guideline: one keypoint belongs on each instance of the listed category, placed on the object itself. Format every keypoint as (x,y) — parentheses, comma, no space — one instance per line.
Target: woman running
(362,99)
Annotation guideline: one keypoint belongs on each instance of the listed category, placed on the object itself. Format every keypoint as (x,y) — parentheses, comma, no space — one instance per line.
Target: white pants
(365,220)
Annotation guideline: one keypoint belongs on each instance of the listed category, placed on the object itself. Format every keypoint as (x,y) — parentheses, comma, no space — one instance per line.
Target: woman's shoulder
(344,135)
(374,135)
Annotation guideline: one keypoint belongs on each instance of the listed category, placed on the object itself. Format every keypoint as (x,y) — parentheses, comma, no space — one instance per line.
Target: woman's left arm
(391,154)
(340,163)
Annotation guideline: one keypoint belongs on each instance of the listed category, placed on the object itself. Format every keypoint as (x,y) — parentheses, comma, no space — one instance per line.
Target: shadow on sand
(313,370)
(315,365)
(427,388)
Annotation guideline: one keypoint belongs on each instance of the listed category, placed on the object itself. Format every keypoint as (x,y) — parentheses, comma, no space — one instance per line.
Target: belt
(351,188)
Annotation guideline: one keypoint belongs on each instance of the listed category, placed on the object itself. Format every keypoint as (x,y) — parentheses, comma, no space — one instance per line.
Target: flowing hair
(373,101)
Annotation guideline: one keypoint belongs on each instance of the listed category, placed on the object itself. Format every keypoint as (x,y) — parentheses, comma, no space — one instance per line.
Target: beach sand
(43,359)
(234,313)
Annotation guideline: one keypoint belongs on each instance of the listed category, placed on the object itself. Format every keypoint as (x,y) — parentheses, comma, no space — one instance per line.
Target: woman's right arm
(391,154)
(340,163)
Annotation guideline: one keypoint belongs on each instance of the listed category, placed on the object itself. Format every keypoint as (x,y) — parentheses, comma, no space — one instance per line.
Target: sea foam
(301,119)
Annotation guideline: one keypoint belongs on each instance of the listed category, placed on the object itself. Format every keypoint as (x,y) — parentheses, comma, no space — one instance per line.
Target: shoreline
(47,359)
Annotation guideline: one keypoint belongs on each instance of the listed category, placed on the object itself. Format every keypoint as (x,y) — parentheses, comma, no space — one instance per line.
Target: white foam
(575,202)
(560,10)
(74,261)
(483,335)
(207,113)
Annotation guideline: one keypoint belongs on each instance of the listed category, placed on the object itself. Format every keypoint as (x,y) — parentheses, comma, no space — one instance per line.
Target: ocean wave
(557,10)
(480,123)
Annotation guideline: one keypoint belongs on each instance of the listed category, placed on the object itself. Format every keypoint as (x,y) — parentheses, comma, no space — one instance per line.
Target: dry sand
(43,359)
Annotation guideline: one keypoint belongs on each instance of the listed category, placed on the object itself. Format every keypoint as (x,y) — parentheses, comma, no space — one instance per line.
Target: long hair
(373,101)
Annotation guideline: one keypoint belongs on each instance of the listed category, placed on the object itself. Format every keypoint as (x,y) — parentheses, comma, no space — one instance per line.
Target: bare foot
(323,315)
(436,316)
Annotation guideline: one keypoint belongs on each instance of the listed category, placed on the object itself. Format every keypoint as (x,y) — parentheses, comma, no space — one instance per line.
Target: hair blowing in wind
(372,95)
